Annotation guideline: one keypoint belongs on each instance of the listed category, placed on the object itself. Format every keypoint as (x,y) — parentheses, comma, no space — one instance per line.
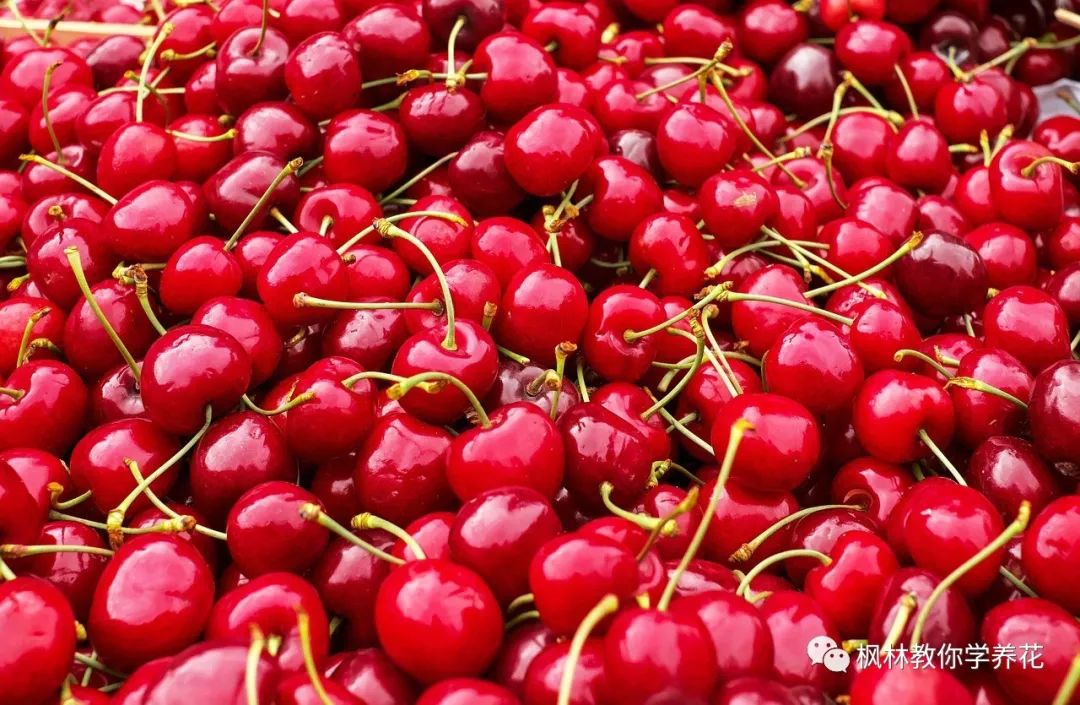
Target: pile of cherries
(510,352)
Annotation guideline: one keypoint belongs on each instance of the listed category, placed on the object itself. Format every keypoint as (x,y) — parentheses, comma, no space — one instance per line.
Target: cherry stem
(313,512)
(826,152)
(28,330)
(206,139)
(745,551)
(368,521)
(583,389)
(115,518)
(5,572)
(1072,679)
(55,489)
(735,297)
(984,147)
(13,7)
(291,403)
(714,293)
(687,433)
(562,351)
(918,355)
(1075,342)
(433,383)
(797,153)
(151,51)
(42,161)
(417,178)
(301,300)
(902,78)
(1068,98)
(699,356)
(75,262)
(717,269)
(12,262)
(348,382)
(910,244)
(142,293)
(520,619)
(1015,52)
(284,222)
(929,443)
(772,560)
(862,90)
(893,118)
(716,357)
(980,386)
(387,229)
(251,665)
(798,246)
(735,436)
(185,522)
(451,42)
(291,167)
(722,90)
(303,626)
(396,218)
(834,114)
(608,604)
(520,601)
(1023,515)
(97,665)
(642,521)
(45,84)
(702,71)
(1029,170)
(1002,139)
(14,550)
(207,50)
(1016,582)
(665,525)
(263,25)
(908,603)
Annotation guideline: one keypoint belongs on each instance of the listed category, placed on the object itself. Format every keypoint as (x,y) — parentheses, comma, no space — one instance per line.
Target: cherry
(847,587)
(919,157)
(1027,191)
(234,191)
(134,154)
(571,26)
(623,194)
(1052,412)
(16,314)
(348,576)
(39,653)
(23,74)
(793,617)
(251,325)
(814,364)
(44,407)
(410,613)
(735,205)
(266,529)
(1028,324)
(301,263)
(150,222)
(876,685)
(741,515)
(950,620)
(601,447)
(197,271)
(480,178)
(371,676)
(896,412)
(167,591)
(543,305)
(877,485)
(1033,621)
(498,532)
(1008,471)
(323,75)
(276,128)
(803,80)
(885,205)
(212,667)
(549,148)
(251,67)
(401,468)
(588,685)
(963,109)
(1008,252)
(761,323)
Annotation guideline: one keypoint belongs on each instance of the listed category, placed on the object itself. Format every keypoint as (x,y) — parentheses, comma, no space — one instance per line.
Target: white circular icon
(837,660)
(818,647)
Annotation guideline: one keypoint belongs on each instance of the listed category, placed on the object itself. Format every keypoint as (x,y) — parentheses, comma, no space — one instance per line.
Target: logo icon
(824,651)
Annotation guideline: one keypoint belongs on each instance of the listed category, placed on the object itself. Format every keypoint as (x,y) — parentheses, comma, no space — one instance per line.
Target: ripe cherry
(895,412)
(266,532)
(39,653)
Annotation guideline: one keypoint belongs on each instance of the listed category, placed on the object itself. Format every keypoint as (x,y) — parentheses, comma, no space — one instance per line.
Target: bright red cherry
(38,652)
(895,411)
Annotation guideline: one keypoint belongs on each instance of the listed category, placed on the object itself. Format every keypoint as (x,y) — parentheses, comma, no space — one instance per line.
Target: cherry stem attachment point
(747,549)
(433,383)
(979,386)
(942,458)
(772,560)
(1029,170)
(368,521)
(1023,515)
(919,355)
(714,293)
(313,512)
(28,330)
(291,403)
(642,521)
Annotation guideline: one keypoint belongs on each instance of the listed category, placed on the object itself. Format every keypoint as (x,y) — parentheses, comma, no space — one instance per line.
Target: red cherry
(673,247)
(323,75)
(962,110)
(603,448)
(876,484)
(543,305)
(893,408)
(41,643)
(814,364)
(1029,324)
(876,686)
(735,205)
(846,588)
(149,622)
(277,128)
(1033,621)
(1027,192)
(371,676)
(207,669)
(49,411)
(551,147)
(365,148)
(411,613)
(266,530)
(302,263)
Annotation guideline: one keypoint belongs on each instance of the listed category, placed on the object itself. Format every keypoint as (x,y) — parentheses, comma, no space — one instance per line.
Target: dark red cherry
(942,276)
(479,175)
(804,79)
(205,670)
(875,484)
(1008,471)
(1053,412)
(794,617)
(251,68)
(233,191)
(847,587)
(602,448)
(623,195)
(371,676)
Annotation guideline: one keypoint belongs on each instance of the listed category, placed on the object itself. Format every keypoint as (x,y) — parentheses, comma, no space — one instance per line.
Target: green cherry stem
(735,436)
(92,188)
(75,262)
(1023,515)
(745,551)
(714,293)
(918,355)
(772,560)
(910,244)
(313,512)
(699,356)
(264,199)
(433,383)
(608,604)
(151,51)
(979,386)
(942,458)
(417,177)
(28,330)
(368,521)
